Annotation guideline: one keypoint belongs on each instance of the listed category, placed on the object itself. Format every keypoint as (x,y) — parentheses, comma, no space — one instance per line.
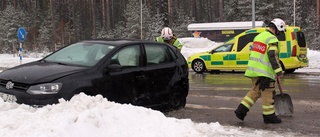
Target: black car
(142,73)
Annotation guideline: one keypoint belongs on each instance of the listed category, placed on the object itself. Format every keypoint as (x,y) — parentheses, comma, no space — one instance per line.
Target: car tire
(198,66)
(290,70)
(178,98)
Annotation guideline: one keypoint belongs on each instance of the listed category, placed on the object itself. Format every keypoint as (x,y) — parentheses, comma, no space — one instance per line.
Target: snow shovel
(282,103)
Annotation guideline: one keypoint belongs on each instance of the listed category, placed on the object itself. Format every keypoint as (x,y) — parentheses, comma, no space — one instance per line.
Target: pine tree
(155,26)
(132,16)
(181,22)
(232,10)
(11,21)
(45,33)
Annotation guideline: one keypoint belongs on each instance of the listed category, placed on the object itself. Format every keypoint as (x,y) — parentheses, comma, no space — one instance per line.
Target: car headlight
(48,88)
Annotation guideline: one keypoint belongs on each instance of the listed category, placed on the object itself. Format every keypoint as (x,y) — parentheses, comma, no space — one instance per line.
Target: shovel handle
(279,85)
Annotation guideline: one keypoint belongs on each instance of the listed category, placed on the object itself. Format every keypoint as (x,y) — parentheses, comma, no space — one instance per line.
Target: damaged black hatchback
(142,73)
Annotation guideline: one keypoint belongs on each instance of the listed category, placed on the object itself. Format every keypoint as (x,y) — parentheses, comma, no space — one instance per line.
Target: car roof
(117,42)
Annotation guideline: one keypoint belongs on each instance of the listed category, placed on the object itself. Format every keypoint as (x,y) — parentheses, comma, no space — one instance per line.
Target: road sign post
(21,36)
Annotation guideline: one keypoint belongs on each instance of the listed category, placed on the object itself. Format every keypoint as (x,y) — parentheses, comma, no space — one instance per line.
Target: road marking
(206,107)
(220,97)
(220,89)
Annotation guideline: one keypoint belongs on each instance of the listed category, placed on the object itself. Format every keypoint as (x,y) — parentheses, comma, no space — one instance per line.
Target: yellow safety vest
(259,64)
(176,43)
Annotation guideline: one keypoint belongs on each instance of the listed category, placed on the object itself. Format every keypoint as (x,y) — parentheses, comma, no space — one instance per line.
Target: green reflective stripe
(261,71)
(230,57)
(226,57)
(242,62)
(260,60)
(283,55)
(206,57)
(268,110)
(216,62)
(288,49)
(286,54)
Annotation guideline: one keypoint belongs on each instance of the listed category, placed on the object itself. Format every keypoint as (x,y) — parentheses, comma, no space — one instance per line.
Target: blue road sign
(22,34)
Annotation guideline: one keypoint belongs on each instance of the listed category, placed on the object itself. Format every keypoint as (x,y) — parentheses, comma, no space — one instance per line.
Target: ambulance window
(223,48)
(301,39)
(244,40)
(281,36)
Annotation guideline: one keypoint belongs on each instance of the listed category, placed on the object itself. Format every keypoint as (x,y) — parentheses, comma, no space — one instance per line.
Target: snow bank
(193,45)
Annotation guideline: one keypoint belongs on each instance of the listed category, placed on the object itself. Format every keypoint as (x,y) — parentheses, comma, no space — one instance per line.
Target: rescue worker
(263,68)
(167,36)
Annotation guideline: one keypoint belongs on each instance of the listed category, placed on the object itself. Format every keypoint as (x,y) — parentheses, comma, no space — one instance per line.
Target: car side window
(281,36)
(224,48)
(127,56)
(244,40)
(301,39)
(157,54)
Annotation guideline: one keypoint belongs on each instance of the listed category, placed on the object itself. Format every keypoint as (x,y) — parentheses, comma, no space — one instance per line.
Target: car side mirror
(115,67)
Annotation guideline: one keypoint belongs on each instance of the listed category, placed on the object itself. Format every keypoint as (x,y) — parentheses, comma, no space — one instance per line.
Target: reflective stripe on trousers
(266,95)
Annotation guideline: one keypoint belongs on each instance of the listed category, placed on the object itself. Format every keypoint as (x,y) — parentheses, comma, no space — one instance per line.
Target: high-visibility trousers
(267,97)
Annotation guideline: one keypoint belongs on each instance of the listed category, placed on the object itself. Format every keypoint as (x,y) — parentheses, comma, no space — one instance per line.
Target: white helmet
(166,33)
(279,23)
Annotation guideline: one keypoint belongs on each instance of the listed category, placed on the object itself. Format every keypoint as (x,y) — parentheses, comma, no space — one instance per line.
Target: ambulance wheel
(290,70)
(198,66)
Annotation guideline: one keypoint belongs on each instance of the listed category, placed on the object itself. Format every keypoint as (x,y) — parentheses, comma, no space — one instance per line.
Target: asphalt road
(214,97)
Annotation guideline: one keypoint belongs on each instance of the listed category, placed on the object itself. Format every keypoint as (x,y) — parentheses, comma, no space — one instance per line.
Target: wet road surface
(214,97)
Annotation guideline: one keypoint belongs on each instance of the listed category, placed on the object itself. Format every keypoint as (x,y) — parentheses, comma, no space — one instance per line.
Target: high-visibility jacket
(174,41)
(259,63)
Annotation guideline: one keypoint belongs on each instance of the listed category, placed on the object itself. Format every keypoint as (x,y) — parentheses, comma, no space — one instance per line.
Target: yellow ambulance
(234,54)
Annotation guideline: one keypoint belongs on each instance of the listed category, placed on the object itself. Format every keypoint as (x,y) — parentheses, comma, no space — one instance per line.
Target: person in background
(263,68)
(167,36)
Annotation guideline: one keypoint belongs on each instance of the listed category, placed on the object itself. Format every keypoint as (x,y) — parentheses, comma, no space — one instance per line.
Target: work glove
(263,83)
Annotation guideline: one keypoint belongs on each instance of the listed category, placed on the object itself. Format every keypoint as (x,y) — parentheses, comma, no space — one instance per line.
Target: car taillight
(294,51)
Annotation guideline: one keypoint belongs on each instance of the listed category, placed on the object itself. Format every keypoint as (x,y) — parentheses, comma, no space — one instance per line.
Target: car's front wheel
(178,98)
(198,66)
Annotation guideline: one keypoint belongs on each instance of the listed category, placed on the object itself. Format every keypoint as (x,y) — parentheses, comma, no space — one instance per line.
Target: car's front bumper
(25,98)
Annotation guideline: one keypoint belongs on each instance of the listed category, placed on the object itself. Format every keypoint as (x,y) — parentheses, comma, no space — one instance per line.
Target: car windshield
(82,54)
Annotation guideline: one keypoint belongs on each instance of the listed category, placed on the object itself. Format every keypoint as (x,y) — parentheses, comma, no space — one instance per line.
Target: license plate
(8,97)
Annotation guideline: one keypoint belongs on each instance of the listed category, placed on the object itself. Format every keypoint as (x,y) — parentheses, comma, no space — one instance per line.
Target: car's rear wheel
(286,70)
(178,98)
(198,66)
(290,70)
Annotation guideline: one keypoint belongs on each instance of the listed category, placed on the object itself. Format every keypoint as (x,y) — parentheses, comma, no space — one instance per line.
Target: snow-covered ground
(86,116)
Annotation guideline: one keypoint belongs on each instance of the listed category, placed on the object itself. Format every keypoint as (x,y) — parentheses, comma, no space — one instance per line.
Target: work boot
(241,112)
(272,119)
